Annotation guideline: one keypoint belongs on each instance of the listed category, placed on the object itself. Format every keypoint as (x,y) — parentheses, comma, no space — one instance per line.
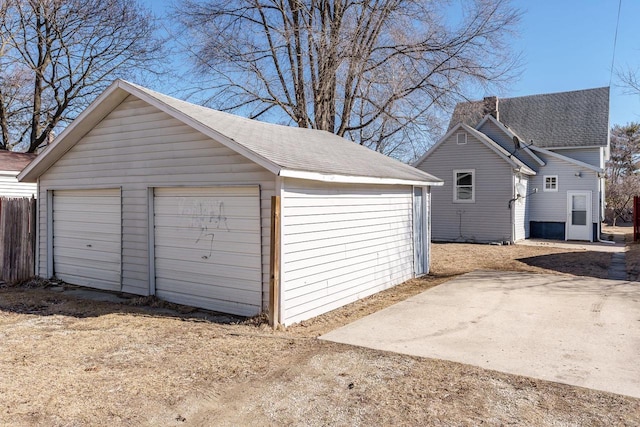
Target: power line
(615,42)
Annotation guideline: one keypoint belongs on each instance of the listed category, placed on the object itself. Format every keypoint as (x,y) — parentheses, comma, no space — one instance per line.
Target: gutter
(351,179)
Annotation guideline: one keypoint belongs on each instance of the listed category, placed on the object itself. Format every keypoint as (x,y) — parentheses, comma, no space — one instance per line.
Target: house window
(551,183)
(464,186)
(462,137)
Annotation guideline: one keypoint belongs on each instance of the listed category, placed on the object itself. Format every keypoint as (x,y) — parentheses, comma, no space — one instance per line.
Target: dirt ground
(72,362)
(633,261)
(632,257)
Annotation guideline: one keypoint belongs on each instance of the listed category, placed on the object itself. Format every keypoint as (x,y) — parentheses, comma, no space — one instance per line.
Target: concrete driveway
(575,330)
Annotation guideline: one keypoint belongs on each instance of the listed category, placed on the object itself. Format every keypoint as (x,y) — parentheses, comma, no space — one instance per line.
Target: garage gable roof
(284,150)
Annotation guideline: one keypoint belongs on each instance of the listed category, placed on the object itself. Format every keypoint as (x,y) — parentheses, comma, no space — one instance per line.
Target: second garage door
(207,248)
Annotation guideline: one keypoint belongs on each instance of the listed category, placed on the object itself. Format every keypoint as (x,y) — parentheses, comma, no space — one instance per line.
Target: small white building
(150,195)
(11,163)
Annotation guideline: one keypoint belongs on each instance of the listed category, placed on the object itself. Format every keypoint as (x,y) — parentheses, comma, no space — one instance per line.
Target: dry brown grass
(620,233)
(633,261)
(66,362)
(458,258)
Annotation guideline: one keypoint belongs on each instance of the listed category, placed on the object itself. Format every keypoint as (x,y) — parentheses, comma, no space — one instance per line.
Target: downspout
(514,199)
(428,213)
(513,211)
(600,232)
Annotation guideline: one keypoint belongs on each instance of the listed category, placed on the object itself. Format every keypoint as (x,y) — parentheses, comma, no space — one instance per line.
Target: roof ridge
(557,93)
(533,95)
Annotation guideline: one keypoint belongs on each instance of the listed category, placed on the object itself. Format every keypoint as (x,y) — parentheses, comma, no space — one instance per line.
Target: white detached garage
(150,195)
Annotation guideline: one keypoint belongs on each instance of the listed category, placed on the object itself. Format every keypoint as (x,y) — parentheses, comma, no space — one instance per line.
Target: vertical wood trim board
(274,267)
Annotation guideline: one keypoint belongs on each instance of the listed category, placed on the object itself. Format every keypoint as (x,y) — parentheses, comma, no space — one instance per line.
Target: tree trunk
(4,125)
(41,65)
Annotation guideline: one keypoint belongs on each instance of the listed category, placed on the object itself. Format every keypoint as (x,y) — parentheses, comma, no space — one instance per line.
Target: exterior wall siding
(137,147)
(549,206)
(486,220)
(342,243)
(10,187)
(591,156)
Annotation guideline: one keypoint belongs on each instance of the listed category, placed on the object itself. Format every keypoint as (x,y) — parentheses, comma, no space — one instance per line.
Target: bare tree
(57,55)
(11,82)
(630,79)
(623,166)
(376,71)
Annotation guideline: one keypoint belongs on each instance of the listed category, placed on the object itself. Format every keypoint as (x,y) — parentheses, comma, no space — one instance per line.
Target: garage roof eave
(351,179)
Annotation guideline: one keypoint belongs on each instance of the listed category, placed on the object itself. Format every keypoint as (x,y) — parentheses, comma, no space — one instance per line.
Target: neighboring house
(515,168)
(150,195)
(11,163)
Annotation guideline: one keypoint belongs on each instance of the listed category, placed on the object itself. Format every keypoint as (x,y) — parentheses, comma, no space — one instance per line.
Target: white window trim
(473,185)
(544,184)
(458,138)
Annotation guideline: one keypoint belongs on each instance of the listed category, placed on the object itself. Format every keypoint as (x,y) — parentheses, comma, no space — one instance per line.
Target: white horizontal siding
(137,147)
(592,156)
(341,244)
(486,220)
(10,187)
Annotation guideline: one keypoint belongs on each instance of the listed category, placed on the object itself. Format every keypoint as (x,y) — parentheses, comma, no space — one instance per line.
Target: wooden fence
(17,238)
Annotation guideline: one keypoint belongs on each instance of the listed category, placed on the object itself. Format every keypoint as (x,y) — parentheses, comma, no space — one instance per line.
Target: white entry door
(579,215)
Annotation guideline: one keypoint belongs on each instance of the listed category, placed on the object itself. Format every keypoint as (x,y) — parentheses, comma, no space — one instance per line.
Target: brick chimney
(490,106)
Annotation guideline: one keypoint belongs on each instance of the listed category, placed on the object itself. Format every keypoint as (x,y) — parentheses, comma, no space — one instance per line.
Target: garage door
(207,248)
(87,235)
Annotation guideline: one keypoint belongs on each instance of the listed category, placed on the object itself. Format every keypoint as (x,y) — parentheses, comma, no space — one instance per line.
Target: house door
(420,238)
(579,215)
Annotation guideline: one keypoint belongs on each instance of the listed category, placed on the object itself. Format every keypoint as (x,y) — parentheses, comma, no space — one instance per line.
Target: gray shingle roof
(12,161)
(297,148)
(566,119)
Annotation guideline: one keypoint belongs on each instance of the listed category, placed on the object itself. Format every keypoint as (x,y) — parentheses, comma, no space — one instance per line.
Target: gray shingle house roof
(565,119)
